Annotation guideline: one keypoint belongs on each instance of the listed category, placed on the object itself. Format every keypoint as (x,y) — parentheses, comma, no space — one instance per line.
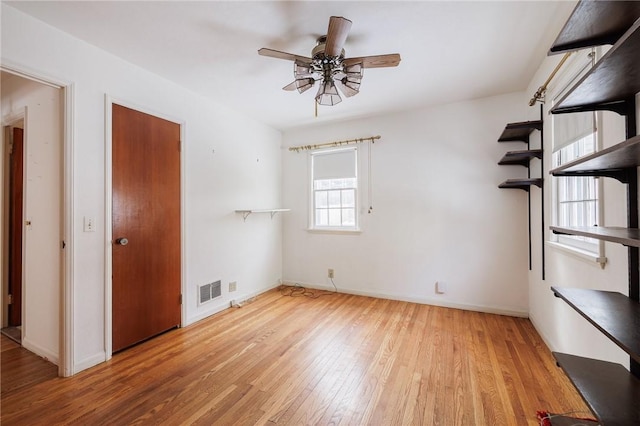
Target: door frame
(108,238)
(66,356)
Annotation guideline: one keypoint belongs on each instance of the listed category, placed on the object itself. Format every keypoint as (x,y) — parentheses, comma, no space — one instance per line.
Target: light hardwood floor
(337,359)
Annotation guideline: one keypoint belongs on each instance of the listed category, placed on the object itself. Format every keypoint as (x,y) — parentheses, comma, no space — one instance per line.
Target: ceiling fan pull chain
(370,183)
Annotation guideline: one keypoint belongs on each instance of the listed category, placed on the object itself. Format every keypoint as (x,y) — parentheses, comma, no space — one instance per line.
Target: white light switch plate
(89,224)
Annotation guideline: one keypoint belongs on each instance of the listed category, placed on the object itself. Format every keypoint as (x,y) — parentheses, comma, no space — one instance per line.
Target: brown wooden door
(146,211)
(16,221)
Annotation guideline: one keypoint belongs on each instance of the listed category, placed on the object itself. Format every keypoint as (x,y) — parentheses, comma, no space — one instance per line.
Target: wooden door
(16,221)
(146,212)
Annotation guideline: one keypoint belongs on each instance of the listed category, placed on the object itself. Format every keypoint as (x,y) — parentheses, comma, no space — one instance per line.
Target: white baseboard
(39,350)
(544,338)
(421,300)
(89,362)
(225,304)
(212,308)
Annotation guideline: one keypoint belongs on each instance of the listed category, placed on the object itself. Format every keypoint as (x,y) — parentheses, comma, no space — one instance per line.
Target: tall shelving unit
(521,132)
(611,391)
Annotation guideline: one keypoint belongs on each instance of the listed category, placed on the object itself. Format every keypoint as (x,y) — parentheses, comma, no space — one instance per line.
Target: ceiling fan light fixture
(328,93)
(301,69)
(329,65)
(304,84)
(349,86)
(354,69)
(348,91)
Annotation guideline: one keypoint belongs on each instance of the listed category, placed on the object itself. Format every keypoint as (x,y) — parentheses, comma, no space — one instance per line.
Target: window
(334,181)
(577,197)
(576,200)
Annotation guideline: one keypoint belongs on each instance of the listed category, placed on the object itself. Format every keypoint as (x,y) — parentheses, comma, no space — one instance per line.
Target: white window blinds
(571,127)
(335,164)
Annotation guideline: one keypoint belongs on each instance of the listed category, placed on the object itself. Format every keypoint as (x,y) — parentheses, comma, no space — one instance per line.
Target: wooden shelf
(626,236)
(272,212)
(519,132)
(613,162)
(614,314)
(523,184)
(608,21)
(610,391)
(520,158)
(612,83)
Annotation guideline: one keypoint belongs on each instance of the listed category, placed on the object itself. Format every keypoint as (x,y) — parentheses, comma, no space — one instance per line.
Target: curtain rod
(336,143)
(542,89)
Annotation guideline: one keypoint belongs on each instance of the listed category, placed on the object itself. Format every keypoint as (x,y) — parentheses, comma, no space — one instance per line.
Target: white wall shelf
(272,212)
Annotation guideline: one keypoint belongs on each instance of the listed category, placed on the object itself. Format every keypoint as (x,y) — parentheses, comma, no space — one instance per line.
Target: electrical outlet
(441,287)
(233,286)
(330,273)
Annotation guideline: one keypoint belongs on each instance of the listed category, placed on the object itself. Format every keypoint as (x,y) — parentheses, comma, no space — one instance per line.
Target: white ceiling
(450,50)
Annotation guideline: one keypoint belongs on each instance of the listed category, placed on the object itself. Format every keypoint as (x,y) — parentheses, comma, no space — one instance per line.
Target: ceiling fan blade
(377,61)
(283,55)
(336,35)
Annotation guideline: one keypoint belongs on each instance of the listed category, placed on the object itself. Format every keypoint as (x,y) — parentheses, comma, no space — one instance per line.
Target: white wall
(562,328)
(438,213)
(231,162)
(43,184)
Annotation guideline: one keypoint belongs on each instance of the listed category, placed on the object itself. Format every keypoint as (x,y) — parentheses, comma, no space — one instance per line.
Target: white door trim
(66,356)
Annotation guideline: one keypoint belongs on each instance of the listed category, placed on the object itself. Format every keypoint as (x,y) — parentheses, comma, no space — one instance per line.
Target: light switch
(89,224)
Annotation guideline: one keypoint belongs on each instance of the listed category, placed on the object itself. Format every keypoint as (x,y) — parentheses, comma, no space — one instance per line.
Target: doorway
(32,213)
(146,226)
(16,199)
(14,144)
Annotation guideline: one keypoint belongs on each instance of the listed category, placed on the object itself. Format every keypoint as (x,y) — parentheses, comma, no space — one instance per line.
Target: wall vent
(208,292)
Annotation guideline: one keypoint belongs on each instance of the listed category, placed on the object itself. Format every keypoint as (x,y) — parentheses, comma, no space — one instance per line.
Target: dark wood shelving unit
(521,132)
(607,388)
(612,83)
(608,21)
(629,237)
(524,184)
(596,306)
(520,158)
(611,391)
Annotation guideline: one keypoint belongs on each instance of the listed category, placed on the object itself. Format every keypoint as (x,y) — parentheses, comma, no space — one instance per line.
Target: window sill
(579,254)
(334,231)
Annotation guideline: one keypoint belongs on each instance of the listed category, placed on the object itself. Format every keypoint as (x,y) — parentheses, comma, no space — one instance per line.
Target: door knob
(122,241)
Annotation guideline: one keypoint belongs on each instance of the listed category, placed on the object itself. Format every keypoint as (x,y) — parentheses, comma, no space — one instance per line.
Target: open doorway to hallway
(32,213)
(14,203)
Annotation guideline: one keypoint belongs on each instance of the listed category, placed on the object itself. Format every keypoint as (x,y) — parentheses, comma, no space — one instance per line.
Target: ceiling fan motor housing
(318,51)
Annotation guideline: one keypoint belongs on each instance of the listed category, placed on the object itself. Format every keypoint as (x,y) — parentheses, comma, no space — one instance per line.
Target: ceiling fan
(328,65)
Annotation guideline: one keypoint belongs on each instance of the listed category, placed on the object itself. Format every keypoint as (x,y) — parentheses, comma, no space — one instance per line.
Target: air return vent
(208,292)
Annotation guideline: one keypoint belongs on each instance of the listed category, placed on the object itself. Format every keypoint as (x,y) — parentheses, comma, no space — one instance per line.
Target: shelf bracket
(621,175)
(272,212)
